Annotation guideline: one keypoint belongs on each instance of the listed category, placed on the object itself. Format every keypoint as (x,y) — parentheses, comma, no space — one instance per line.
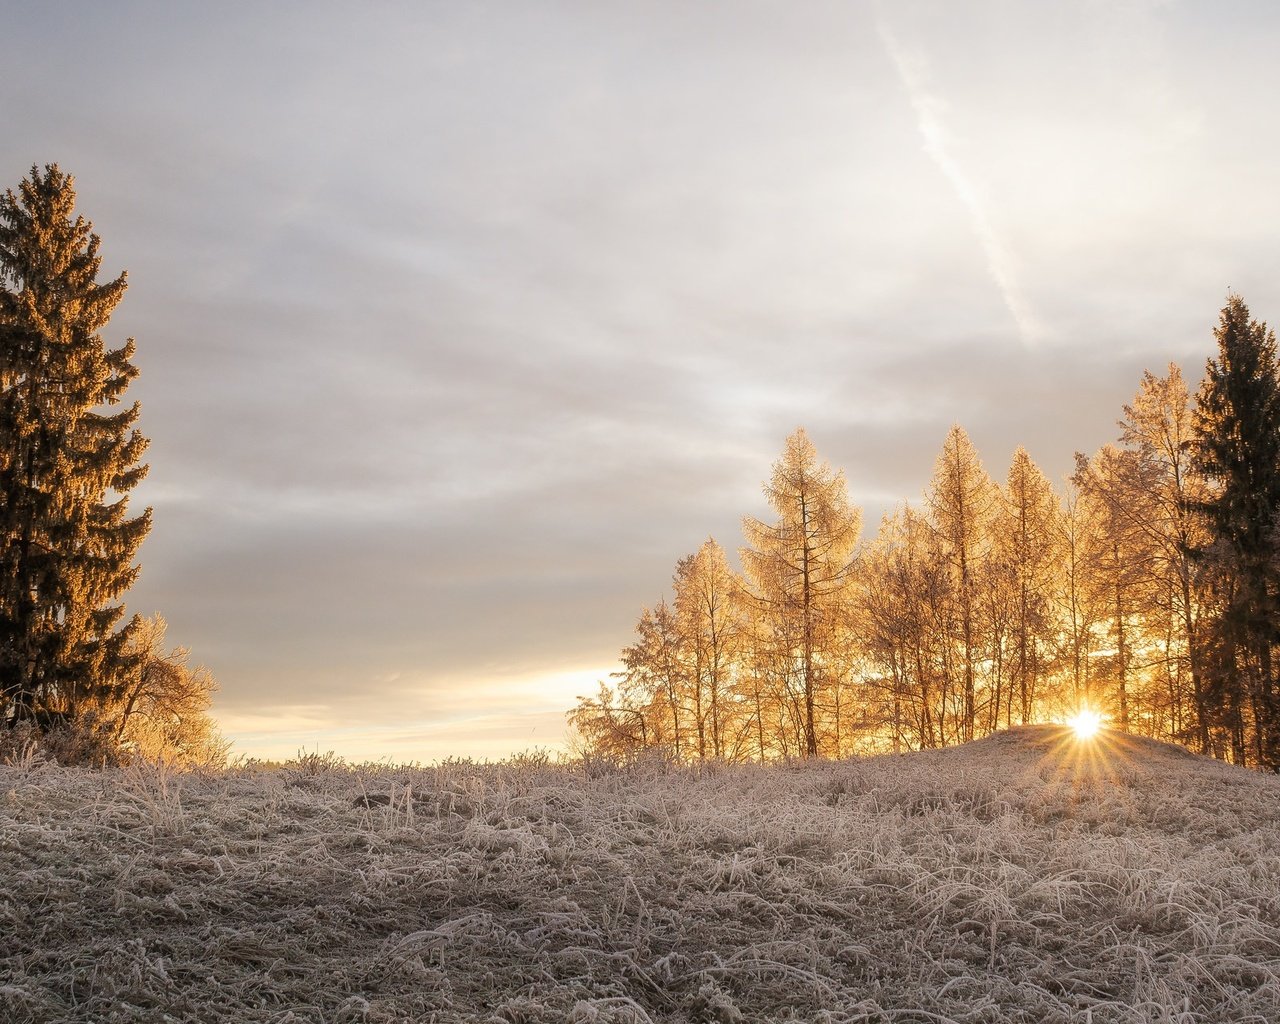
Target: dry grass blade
(1014,879)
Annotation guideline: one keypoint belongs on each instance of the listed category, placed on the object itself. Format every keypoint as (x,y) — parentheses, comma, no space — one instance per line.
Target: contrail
(912,70)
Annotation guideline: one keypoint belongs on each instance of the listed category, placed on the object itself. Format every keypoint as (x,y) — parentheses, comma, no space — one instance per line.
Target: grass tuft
(1020,878)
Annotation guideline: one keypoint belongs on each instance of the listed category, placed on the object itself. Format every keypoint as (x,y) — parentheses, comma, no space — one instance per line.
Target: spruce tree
(1237,447)
(69,455)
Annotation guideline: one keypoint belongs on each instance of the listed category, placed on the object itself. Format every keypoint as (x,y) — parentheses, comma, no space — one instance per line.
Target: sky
(459,323)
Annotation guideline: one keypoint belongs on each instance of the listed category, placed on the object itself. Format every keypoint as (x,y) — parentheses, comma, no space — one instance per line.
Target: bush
(87,741)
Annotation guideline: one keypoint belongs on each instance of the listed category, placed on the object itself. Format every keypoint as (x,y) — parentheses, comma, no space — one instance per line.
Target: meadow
(1024,877)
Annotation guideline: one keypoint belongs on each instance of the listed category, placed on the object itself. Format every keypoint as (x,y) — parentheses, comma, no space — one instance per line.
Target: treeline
(1148,590)
(77,677)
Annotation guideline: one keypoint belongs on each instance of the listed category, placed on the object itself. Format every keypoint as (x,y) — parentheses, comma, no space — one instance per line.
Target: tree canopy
(1147,589)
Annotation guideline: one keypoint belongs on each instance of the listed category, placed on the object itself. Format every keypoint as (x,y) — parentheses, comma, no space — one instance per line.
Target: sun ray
(1085,723)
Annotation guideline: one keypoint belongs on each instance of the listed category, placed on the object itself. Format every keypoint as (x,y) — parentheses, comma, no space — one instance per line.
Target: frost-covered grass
(1017,879)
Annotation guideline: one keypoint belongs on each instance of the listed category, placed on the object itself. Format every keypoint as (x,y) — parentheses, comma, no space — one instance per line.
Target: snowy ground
(1021,878)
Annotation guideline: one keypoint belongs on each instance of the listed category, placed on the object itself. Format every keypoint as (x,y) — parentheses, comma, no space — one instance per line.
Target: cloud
(930,110)
(459,325)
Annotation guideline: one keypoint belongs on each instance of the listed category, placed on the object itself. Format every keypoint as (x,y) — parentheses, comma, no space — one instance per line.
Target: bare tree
(163,712)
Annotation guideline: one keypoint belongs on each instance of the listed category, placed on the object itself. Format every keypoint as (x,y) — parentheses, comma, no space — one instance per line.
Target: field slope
(1021,878)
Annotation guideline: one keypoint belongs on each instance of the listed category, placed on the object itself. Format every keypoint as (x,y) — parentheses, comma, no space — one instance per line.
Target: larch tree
(1158,429)
(706,592)
(1237,446)
(962,501)
(799,569)
(644,706)
(609,725)
(1119,560)
(903,587)
(69,456)
(1029,535)
(762,679)
(1078,605)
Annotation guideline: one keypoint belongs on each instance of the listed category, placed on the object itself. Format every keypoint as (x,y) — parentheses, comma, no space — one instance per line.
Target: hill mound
(1024,877)
(1058,743)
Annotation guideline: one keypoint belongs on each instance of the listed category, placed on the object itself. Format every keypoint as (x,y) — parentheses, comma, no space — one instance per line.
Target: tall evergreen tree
(1237,430)
(68,458)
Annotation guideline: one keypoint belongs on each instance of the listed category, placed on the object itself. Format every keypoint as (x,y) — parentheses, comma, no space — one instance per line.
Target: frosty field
(1021,878)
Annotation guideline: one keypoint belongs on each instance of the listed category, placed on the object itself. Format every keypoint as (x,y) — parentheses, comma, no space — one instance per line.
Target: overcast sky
(459,323)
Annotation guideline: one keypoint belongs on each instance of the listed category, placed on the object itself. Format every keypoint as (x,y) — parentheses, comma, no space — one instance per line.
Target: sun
(1086,723)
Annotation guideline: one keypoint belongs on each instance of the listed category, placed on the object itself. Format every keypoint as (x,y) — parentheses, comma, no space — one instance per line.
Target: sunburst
(1086,723)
